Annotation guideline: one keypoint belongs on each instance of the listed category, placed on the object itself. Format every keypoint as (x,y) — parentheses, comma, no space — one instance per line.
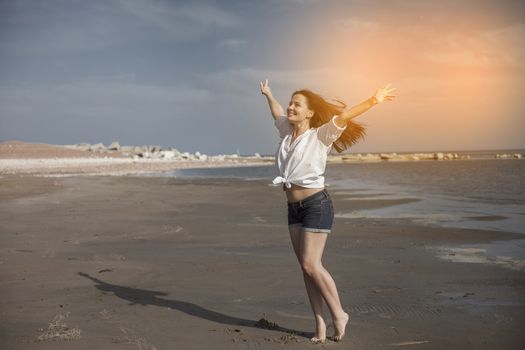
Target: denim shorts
(314,213)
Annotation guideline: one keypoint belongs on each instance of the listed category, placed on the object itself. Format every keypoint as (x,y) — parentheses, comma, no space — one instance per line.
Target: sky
(185,74)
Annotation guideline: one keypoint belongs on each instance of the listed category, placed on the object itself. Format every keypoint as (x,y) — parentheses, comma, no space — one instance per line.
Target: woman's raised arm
(276,109)
(380,95)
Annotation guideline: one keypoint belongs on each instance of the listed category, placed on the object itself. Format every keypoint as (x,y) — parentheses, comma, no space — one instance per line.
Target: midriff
(298,193)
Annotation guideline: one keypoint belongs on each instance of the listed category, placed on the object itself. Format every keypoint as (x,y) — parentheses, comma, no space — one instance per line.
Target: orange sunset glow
(458,72)
(457,67)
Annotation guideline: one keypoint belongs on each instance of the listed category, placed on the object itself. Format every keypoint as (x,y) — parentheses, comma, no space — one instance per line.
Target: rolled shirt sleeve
(329,132)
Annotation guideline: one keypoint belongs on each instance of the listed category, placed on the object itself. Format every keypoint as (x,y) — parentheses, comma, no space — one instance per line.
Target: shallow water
(480,193)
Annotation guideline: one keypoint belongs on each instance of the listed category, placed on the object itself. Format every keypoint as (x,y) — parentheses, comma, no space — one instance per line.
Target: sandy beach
(167,263)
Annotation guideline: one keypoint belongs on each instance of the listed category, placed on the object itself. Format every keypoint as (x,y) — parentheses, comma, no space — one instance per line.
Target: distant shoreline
(24,158)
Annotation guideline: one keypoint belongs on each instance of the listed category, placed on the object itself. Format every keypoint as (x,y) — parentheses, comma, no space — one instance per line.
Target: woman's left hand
(384,94)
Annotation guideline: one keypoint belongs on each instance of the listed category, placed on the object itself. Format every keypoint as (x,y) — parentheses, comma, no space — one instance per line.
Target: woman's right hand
(265,88)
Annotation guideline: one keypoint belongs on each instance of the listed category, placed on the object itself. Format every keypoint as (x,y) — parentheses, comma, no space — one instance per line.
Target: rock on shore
(507,156)
(157,152)
(403,157)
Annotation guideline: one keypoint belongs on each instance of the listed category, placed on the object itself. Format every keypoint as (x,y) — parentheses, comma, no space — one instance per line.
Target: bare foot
(339,327)
(320,334)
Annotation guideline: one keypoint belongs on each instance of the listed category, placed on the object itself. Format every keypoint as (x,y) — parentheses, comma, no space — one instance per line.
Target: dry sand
(25,150)
(165,263)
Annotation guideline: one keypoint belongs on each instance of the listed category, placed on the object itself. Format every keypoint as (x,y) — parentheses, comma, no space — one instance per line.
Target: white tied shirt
(303,162)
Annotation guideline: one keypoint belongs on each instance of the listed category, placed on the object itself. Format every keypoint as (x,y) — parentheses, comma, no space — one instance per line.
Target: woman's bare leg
(314,294)
(311,251)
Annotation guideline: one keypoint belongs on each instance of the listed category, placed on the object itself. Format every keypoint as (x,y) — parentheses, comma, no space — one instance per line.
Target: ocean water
(481,193)
(478,193)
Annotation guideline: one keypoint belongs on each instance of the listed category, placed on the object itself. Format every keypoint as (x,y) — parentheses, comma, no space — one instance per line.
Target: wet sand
(166,263)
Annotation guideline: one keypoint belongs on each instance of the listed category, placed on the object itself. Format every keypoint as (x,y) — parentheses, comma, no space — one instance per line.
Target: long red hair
(323,113)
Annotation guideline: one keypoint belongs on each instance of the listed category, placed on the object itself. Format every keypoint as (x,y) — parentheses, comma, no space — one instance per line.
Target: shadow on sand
(137,296)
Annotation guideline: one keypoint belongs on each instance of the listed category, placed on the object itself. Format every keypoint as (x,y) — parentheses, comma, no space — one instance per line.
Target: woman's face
(298,110)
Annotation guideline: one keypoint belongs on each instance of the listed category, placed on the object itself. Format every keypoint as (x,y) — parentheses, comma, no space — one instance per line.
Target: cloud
(232,44)
(245,81)
(180,20)
(99,98)
(511,39)
(358,25)
(57,27)
(503,46)
(54,26)
(102,110)
(298,2)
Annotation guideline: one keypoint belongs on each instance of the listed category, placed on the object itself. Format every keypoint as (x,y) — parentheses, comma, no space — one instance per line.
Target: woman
(308,132)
